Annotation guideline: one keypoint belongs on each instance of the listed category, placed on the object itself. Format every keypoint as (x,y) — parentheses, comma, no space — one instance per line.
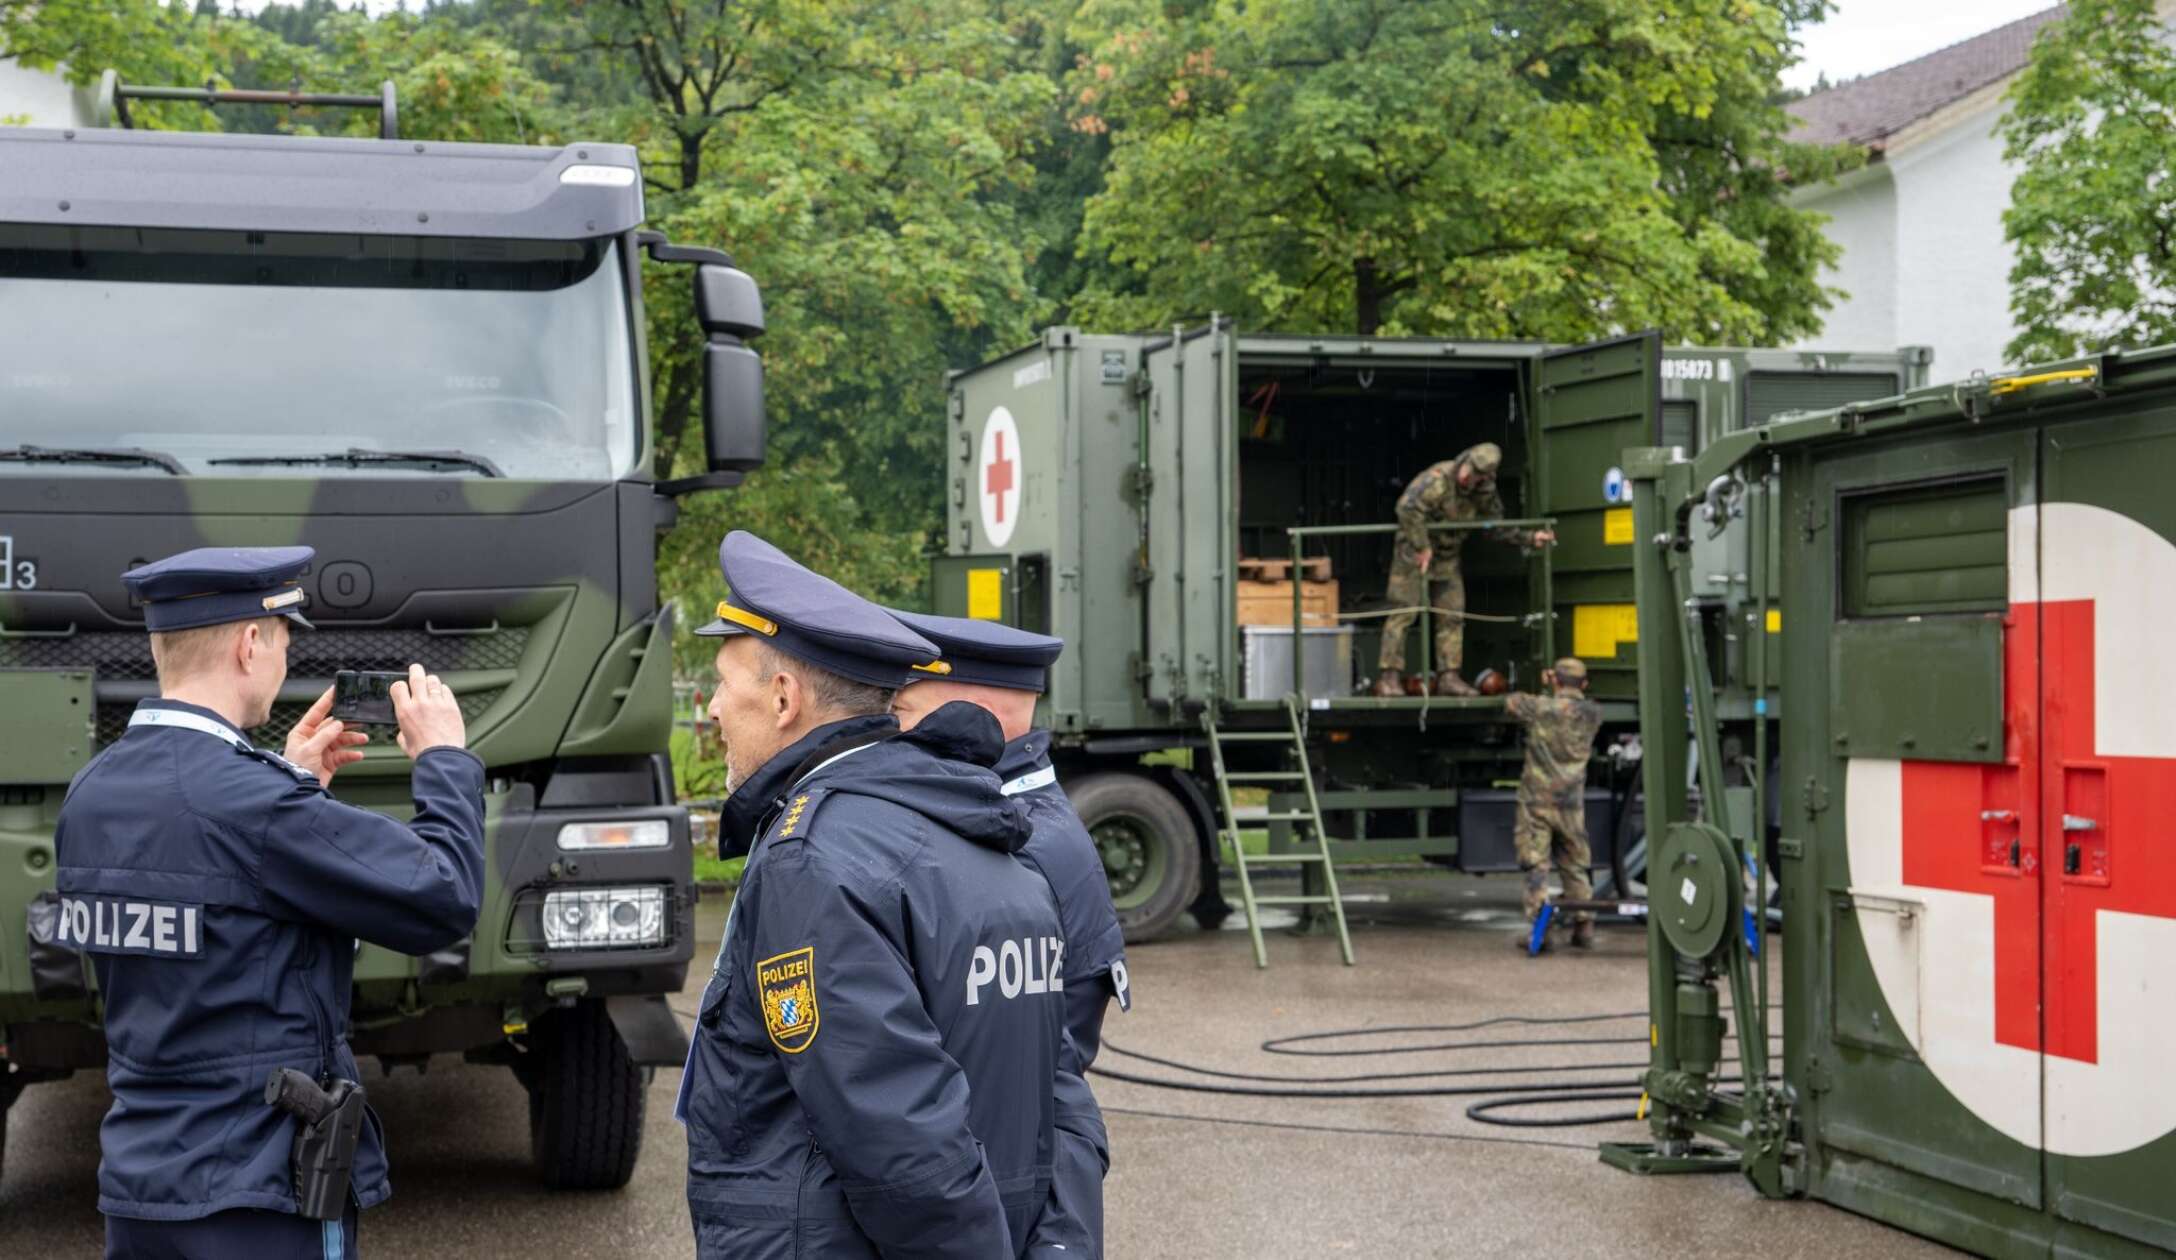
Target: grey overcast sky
(1863,36)
(1860,37)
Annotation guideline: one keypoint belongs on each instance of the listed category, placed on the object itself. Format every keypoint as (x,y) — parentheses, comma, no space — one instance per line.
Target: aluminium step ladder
(1310,818)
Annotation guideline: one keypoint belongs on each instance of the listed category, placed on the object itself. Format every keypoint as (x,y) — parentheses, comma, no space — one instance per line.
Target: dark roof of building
(1866,111)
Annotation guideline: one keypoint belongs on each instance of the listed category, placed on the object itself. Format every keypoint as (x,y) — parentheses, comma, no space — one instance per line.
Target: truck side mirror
(730,308)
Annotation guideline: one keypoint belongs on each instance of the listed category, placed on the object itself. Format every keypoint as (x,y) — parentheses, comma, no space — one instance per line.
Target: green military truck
(1977,873)
(426,361)
(1110,489)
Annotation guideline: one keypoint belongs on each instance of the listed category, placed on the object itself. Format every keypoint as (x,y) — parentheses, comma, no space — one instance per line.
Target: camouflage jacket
(1559,739)
(1434,497)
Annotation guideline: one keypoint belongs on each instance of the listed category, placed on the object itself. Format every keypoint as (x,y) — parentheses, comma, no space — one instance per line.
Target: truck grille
(126,655)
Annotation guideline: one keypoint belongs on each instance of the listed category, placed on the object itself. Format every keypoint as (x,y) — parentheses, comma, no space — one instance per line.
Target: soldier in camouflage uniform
(1553,792)
(1461,489)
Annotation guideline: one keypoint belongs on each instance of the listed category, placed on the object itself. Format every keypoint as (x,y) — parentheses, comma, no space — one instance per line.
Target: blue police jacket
(1061,849)
(875,1056)
(219,892)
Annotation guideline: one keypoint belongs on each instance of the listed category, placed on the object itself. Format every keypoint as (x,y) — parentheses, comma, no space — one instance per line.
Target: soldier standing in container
(874,1063)
(1461,489)
(1004,670)
(1552,823)
(219,891)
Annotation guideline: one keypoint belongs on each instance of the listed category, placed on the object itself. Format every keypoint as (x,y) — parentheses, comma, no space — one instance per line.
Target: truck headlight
(640,833)
(604,918)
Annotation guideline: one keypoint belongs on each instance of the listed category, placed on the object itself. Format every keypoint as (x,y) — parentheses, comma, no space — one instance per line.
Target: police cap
(812,618)
(987,652)
(214,585)
(1484,459)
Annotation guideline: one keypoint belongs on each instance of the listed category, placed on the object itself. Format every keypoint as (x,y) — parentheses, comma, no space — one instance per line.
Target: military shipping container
(1107,487)
(1978,877)
(426,361)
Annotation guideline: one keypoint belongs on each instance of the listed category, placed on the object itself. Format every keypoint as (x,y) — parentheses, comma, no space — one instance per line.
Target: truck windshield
(227,351)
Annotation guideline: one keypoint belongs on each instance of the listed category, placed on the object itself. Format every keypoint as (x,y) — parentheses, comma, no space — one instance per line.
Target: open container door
(1187,646)
(1591,404)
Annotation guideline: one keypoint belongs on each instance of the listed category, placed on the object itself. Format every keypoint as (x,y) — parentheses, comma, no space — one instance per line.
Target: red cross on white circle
(999,477)
(2020,916)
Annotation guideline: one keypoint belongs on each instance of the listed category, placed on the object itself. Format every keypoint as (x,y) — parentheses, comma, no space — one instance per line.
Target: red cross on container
(997,478)
(2055,834)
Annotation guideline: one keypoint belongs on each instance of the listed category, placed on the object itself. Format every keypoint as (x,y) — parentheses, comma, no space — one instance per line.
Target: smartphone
(364,696)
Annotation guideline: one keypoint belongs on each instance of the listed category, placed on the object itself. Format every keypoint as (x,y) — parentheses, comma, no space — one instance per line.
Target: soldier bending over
(1553,792)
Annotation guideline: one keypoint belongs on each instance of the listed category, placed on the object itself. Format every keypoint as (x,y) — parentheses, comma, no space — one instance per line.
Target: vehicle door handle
(1998,815)
(455,632)
(2072,822)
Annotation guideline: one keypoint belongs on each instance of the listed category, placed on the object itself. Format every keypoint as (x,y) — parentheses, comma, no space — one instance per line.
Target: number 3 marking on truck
(15,575)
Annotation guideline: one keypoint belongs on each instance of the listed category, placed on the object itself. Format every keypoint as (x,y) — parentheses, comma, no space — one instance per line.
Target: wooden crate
(1277,569)
(1270,603)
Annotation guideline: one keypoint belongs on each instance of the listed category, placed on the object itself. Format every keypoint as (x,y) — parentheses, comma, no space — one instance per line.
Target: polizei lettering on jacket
(127,925)
(1031,964)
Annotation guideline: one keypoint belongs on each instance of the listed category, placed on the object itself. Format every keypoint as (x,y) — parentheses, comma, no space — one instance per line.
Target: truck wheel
(1150,853)
(586,1106)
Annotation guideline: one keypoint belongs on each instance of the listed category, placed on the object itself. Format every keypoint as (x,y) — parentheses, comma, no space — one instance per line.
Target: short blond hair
(178,654)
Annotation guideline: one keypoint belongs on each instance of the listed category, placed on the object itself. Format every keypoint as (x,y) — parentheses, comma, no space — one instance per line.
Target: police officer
(1460,489)
(875,1058)
(1552,823)
(219,890)
(1004,670)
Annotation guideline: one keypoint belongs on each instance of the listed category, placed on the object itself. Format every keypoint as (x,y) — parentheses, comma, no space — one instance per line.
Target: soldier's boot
(1389,684)
(1583,934)
(1448,683)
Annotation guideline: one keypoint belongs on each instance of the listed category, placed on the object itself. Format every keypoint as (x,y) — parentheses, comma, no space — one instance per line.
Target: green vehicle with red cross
(1970,829)
(427,362)
(1206,516)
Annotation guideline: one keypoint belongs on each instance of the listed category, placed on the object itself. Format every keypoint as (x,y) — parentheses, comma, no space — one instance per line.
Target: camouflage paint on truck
(425,361)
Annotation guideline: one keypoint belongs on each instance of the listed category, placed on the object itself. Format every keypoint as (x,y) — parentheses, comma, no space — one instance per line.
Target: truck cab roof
(167,179)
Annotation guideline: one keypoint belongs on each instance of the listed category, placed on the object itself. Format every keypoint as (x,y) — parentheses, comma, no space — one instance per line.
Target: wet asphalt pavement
(1194,1175)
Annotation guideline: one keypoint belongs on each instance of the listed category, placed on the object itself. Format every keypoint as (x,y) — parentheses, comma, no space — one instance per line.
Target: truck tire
(586,1105)
(1150,852)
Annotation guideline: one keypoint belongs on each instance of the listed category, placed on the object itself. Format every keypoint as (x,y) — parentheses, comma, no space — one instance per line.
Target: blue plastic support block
(1540,935)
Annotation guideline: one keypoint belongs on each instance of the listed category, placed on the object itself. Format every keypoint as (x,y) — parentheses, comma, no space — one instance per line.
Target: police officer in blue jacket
(1004,670)
(219,890)
(873,1065)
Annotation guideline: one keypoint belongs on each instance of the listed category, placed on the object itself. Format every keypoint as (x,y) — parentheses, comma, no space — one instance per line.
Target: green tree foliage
(2093,122)
(1480,168)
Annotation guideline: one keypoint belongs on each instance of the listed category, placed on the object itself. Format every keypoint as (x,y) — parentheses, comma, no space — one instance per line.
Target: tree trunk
(691,159)
(1367,297)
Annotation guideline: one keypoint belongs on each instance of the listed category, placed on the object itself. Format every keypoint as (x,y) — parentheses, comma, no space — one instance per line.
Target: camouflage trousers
(1553,831)
(1408,590)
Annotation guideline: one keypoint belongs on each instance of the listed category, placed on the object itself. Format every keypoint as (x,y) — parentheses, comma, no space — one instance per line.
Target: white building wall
(41,98)
(1862,219)
(1953,265)
(1924,259)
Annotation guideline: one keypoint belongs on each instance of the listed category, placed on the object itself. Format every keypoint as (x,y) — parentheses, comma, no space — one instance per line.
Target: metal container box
(1326,661)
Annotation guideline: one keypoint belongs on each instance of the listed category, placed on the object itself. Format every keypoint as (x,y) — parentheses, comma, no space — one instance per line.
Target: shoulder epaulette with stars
(799,814)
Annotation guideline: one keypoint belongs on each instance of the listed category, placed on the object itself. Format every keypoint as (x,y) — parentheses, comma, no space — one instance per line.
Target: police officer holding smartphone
(219,890)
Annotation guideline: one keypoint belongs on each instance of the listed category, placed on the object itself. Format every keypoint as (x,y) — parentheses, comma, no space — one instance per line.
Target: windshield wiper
(94,455)
(355,457)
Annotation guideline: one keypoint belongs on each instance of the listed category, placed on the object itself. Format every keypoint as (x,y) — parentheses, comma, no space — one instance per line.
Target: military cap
(987,652)
(214,585)
(1484,459)
(812,618)
(1571,669)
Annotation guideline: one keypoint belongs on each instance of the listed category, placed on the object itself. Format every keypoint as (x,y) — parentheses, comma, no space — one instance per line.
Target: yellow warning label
(1597,629)
(1775,621)
(986,594)
(1617,526)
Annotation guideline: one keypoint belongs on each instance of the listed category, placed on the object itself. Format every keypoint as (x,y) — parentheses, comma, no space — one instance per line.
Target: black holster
(328,1124)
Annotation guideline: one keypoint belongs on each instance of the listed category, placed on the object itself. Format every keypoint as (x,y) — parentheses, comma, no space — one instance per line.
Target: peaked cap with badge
(987,652)
(812,618)
(210,586)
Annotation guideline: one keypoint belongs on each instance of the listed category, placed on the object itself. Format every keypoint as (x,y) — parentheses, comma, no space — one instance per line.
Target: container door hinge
(1137,482)
(1138,384)
(959,404)
(1816,797)
(1819,1080)
(1143,572)
(1812,519)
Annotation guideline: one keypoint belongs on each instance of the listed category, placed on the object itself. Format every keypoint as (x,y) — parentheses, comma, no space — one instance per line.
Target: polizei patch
(787,985)
(129,925)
